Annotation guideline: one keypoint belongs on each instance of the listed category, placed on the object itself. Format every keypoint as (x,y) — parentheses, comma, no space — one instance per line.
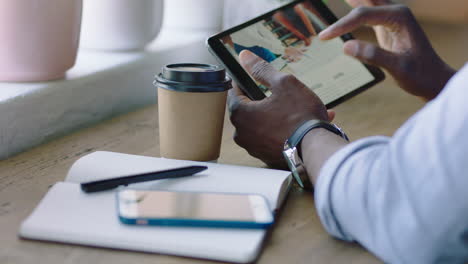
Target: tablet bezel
(248,85)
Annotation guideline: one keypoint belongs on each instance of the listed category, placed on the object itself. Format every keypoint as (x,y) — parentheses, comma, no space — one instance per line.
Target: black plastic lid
(193,77)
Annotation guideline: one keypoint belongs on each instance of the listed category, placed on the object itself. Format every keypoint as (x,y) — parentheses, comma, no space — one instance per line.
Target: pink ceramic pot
(38,38)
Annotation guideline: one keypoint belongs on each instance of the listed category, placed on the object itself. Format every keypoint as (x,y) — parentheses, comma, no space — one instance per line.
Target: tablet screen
(287,38)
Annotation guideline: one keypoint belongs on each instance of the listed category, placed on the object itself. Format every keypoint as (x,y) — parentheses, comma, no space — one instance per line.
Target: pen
(104,185)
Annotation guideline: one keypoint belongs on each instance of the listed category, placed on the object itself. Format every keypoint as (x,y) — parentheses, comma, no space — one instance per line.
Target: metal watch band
(307,126)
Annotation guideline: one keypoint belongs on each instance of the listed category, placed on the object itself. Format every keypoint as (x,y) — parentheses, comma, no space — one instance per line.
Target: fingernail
(351,48)
(324,34)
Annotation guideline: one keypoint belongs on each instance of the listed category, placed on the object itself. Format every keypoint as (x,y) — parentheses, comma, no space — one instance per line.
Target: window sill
(101,85)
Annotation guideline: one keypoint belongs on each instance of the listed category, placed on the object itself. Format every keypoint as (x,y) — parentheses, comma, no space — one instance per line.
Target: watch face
(288,157)
(293,161)
(286,145)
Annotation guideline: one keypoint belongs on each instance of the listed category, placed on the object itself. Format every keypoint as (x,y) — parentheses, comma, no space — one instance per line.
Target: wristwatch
(291,153)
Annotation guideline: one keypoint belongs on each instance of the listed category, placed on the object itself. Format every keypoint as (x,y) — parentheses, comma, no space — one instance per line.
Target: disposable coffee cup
(192,104)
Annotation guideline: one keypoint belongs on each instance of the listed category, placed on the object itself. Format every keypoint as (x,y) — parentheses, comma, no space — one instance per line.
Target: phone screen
(288,40)
(181,205)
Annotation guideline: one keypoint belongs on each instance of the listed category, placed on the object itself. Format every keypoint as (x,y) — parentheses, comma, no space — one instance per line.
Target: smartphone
(287,38)
(193,209)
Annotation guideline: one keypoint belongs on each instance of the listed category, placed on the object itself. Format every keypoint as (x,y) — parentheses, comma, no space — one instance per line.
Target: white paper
(218,178)
(68,215)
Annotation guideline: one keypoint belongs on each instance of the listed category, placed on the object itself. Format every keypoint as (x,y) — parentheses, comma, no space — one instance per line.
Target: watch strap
(307,126)
(291,152)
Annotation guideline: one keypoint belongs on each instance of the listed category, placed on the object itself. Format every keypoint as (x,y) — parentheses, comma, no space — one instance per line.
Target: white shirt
(405,198)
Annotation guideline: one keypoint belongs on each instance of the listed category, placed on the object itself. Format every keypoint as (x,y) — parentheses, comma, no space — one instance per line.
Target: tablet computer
(287,38)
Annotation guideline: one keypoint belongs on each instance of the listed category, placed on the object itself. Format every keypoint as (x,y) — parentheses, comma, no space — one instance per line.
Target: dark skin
(273,113)
(404,51)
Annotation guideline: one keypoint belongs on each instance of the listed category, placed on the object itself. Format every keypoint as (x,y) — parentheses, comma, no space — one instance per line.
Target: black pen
(104,185)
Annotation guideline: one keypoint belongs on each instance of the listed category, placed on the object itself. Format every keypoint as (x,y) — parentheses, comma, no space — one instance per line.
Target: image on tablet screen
(288,40)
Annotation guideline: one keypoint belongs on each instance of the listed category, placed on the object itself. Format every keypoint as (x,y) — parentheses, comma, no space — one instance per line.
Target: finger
(356,3)
(260,70)
(371,54)
(237,98)
(331,115)
(237,92)
(363,16)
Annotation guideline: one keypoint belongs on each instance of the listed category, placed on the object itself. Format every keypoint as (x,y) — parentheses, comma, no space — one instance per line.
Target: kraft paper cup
(192,104)
(38,39)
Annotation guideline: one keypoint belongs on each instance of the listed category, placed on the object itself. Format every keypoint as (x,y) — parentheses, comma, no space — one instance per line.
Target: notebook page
(218,178)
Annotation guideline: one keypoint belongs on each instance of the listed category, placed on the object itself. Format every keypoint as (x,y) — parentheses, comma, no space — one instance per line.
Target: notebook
(67,215)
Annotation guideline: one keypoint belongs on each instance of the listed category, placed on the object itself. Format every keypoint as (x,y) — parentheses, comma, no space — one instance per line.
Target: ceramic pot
(120,25)
(194,14)
(38,39)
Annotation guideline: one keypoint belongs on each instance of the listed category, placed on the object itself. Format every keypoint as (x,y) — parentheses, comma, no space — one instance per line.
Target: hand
(262,127)
(405,51)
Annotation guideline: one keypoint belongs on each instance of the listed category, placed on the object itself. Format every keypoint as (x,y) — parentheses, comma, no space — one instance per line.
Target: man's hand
(262,127)
(404,51)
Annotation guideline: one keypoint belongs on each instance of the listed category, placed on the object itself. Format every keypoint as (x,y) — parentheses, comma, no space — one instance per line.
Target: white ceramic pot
(38,39)
(193,14)
(239,11)
(120,25)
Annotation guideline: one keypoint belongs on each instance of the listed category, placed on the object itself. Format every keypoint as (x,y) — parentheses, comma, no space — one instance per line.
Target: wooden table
(298,236)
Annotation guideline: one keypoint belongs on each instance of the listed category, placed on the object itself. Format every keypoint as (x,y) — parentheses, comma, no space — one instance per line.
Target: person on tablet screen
(261,39)
(302,20)
(264,53)
(404,198)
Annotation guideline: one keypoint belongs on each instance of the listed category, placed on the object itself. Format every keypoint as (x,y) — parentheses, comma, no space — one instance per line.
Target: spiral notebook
(67,215)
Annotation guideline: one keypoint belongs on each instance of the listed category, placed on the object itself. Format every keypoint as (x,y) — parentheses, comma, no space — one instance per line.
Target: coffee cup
(191,104)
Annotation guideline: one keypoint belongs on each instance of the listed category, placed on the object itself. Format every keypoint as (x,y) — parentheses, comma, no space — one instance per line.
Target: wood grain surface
(298,236)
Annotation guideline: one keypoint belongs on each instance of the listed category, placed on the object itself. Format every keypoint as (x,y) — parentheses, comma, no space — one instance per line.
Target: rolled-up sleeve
(405,198)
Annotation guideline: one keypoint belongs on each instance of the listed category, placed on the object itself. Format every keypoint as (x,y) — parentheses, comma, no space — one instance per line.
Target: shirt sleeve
(405,198)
